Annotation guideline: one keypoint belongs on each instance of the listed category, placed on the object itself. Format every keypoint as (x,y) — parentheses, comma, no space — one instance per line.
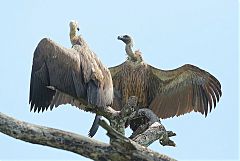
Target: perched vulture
(168,93)
(68,75)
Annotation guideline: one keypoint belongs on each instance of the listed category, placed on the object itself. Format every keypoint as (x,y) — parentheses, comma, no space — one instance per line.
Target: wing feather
(116,69)
(209,98)
(192,87)
(217,92)
(68,73)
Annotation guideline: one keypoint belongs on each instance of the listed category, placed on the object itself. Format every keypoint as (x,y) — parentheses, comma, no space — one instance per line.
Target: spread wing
(183,90)
(75,76)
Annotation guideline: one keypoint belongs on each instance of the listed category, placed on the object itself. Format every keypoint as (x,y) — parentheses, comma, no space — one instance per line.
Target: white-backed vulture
(68,75)
(168,93)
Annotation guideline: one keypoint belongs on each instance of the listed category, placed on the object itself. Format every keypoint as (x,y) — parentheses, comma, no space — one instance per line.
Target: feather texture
(75,76)
(167,92)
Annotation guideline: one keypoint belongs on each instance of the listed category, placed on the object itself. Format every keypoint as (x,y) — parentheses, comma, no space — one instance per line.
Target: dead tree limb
(150,130)
(90,148)
(146,133)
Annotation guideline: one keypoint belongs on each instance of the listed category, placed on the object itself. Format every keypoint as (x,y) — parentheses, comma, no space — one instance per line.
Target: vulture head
(126,39)
(134,56)
(74,28)
(74,25)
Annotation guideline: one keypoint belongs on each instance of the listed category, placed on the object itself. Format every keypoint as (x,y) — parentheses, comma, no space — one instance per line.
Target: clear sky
(169,33)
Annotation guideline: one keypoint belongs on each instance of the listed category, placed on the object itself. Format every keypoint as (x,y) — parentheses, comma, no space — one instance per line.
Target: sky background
(169,34)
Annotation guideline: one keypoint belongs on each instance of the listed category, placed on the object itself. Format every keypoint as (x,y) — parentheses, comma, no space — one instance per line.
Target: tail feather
(95,126)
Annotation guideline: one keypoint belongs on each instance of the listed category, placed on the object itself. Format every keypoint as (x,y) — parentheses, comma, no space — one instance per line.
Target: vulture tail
(95,126)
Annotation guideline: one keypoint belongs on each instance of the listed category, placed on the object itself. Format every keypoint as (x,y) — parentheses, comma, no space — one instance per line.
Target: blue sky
(169,34)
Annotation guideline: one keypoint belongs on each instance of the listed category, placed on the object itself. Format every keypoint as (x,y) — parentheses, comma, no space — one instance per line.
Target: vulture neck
(129,51)
(73,35)
(133,56)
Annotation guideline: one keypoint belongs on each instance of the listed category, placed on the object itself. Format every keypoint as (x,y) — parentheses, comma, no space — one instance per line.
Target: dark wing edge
(40,97)
(185,89)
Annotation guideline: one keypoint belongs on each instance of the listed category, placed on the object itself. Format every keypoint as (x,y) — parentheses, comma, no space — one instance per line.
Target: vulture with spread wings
(168,93)
(68,75)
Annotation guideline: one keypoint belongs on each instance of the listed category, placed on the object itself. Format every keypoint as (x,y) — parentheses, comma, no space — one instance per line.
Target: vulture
(68,76)
(167,93)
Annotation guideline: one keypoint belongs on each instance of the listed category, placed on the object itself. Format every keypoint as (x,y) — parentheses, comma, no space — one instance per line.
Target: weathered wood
(152,130)
(84,146)
(53,137)
(118,121)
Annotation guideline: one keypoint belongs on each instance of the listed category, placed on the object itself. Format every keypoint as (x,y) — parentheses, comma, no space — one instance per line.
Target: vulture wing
(183,90)
(116,69)
(75,76)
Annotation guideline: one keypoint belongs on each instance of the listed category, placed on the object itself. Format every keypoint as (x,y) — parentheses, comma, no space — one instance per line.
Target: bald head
(126,39)
(74,25)
(132,56)
(74,28)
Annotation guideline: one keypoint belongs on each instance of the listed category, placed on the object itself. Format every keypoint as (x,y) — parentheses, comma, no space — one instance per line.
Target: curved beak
(120,38)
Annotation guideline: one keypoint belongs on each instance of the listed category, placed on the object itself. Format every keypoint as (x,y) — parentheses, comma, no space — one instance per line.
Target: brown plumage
(62,75)
(168,93)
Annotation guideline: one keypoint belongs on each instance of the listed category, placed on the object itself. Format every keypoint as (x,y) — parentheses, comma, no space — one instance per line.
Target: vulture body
(74,76)
(167,93)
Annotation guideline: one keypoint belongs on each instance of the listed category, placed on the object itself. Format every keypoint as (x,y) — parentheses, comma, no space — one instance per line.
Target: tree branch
(52,137)
(84,146)
(150,130)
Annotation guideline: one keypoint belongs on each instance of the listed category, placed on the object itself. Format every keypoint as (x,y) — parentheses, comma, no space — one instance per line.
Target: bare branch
(84,146)
(152,130)
(53,137)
